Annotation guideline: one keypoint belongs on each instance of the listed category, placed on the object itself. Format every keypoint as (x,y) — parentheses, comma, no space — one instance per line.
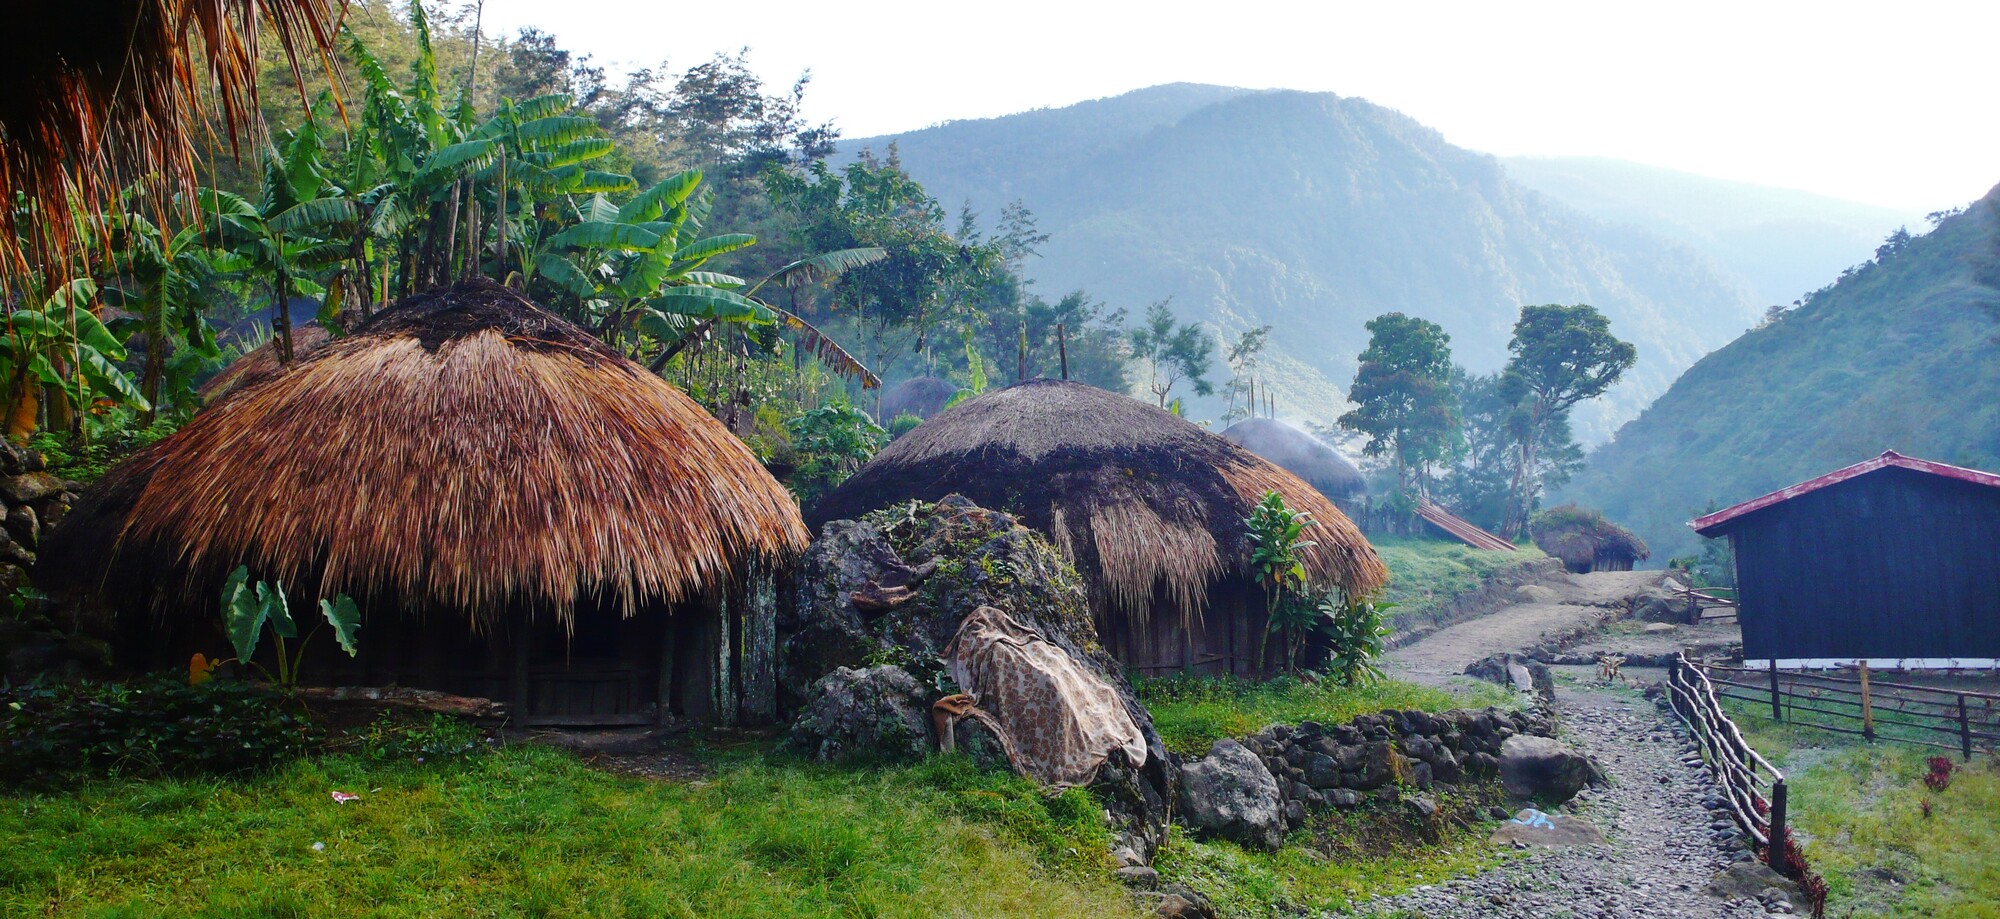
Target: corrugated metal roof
(1461,530)
(1707,523)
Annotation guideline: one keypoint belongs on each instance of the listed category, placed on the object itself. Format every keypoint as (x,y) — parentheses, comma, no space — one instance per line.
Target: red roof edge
(1462,529)
(1704,524)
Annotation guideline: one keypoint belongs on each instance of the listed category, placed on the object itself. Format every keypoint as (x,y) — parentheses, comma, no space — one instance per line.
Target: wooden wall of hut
(1223,641)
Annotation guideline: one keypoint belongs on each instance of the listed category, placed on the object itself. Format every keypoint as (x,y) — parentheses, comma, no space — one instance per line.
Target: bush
(152,727)
(397,737)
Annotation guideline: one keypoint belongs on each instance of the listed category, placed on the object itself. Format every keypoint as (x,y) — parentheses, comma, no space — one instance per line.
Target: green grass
(534,832)
(1426,574)
(1193,712)
(1859,809)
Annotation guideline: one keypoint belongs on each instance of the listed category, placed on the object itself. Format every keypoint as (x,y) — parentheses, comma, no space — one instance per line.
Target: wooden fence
(1948,719)
(1752,788)
(1711,604)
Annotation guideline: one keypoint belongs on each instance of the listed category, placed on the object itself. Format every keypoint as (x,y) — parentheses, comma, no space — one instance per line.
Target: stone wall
(31,502)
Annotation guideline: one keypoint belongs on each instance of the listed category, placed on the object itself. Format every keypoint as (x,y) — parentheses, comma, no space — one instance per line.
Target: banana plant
(164,279)
(62,347)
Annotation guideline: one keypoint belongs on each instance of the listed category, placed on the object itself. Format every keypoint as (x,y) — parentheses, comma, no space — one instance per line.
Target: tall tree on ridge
(1562,355)
(1403,398)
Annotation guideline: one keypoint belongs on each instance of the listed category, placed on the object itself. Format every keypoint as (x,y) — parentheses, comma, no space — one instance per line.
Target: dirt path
(1582,600)
(1665,846)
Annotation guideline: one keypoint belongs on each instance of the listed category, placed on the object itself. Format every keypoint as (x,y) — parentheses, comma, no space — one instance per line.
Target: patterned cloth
(1058,720)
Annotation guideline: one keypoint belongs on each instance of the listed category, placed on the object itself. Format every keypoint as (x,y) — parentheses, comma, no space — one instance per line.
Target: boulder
(1544,769)
(872,714)
(1531,827)
(22,525)
(1523,674)
(29,487)
(1230,794)
(1750,879)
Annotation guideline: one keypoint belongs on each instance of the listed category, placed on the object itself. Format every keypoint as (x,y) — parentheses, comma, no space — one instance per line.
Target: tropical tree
(1402,397)
(1172,352)
(1562,355)
(60,346)
(165,279)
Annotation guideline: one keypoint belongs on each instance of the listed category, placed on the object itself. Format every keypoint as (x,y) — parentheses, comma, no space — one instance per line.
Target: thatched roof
(464,450)
(262,361)
(919,396)
(1145,503)
(95,93)
(1579,536)
(1300,453)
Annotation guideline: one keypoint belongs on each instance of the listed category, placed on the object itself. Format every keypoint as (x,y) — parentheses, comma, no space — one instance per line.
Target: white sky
(1891,102)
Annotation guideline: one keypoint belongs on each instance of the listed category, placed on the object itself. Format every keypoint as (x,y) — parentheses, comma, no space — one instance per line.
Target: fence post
(1867,710)
(1777,713)
(1964,730)
(1775,853)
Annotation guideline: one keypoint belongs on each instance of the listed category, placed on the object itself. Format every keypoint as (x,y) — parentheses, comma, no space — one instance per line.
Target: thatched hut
(1585,541)
(262,361)
(521,513)
(1301,454)
(919,396)
(1148,506)
(96,94)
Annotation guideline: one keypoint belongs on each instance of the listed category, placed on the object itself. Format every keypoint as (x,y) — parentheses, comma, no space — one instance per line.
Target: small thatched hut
(1301,454)
(1148,506)
(1585,541)
(521,513)
(919,396)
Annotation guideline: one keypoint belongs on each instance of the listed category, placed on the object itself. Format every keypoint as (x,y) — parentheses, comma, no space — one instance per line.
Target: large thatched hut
(1148,506)
(521,513)
(919,396)
(1300,454)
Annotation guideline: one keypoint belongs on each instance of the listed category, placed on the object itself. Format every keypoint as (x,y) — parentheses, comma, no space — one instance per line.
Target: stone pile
(1255,790)
(32,501)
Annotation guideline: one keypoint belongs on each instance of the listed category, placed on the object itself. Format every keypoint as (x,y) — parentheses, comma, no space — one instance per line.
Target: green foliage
(1480,485)
(105,439)
(1192,712)
(1277,557)
(1243,358)
(1354,632)
(903,424)
(160,726)
(398,737)
(1172,351)
(533,831)
(831,442)
(247,608)
(1403,398)
(1562,355)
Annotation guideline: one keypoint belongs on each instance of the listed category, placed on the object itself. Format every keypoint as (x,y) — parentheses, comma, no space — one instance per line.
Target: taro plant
(247,608)
(832,442)
(1277,558)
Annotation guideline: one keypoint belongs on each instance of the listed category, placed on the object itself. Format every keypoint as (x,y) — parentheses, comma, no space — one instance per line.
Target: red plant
(1939,778)
(1794,866)
(1925,804)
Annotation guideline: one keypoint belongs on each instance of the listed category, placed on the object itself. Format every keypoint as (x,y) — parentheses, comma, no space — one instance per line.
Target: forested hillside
(1784,242)
(1314,213)
(1898,354)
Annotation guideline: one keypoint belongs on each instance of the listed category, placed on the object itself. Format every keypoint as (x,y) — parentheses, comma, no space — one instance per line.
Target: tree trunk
(281,322)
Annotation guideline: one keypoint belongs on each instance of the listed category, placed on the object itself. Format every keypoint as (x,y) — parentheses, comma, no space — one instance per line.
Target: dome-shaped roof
(463,450)
(1141,500)
(1300,453)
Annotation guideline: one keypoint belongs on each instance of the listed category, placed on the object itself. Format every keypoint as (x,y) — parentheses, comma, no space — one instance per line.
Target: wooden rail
(1714,604)
(1947,719)
(1741,773)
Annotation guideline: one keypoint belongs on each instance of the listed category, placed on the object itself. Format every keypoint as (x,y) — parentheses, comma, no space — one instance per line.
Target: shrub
(151,727)
(393,737)
(1939,776)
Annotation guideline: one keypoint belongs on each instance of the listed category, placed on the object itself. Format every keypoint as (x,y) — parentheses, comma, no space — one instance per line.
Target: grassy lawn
(1193,712)
(1859,808)
(1426,574)
(534,832)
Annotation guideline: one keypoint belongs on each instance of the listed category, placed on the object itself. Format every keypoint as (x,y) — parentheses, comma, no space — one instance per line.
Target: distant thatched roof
(919,396)
(94,93)
(262,361)
(463,450)
(1579,536)
(1142,501)
(1300,453)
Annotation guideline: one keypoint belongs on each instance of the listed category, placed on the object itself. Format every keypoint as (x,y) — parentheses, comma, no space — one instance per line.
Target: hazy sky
(1890,102)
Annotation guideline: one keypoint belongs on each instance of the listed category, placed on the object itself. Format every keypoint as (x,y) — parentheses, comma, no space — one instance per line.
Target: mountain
(1784,242)
(1314,213)
(1901,353)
